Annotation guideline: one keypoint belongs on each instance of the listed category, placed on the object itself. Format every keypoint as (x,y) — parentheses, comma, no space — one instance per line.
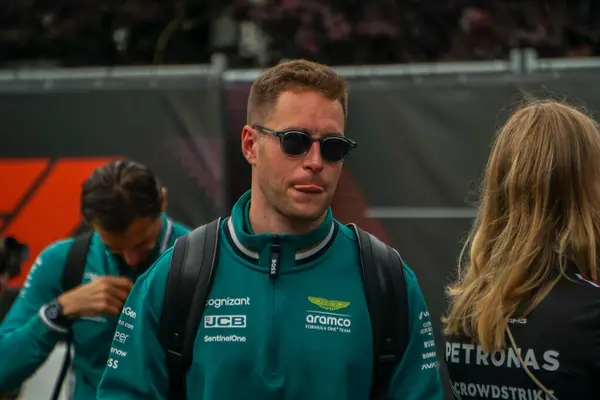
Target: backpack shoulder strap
(190,277)
(71,278)
(75,264)
(387,300)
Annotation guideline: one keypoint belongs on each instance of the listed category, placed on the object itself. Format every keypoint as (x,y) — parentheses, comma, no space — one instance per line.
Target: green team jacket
(26,341)
(305,335)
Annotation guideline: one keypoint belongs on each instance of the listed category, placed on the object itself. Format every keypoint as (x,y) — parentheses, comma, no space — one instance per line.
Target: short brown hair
(296,75)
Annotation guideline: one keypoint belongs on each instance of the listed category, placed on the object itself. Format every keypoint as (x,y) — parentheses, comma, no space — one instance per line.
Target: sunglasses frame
(281,134)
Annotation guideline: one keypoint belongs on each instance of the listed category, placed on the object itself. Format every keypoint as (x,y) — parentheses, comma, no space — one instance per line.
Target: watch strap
(52,316)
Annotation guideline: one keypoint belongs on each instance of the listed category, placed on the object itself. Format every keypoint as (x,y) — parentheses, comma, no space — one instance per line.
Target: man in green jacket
(125,205)
(286,317)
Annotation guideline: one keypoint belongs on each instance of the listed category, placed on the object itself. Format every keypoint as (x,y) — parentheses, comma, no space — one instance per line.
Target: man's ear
(249,144)
(164,199)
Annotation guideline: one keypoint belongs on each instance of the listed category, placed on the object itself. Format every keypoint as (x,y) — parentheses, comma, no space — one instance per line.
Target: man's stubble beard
(301,217)
(281,204)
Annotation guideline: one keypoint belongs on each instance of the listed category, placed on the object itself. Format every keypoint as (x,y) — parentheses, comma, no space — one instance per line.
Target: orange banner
(40,200)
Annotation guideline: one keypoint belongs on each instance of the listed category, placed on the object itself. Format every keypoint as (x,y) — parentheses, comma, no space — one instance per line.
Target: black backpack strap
(75,264)
(190,277)
(71,278)
(387,300)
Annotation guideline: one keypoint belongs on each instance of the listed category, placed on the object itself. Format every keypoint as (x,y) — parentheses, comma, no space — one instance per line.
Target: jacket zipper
(273,274)
(275,252)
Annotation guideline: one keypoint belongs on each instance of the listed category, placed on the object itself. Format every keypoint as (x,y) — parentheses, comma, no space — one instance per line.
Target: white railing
(520,62)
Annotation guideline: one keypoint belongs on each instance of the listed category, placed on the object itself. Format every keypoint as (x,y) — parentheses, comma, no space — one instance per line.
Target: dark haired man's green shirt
(26,340)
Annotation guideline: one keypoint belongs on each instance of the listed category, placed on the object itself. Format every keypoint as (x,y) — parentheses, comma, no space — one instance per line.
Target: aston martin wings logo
(329,305)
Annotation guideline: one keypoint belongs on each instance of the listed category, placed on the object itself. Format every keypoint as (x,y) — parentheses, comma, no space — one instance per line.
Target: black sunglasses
(334,149)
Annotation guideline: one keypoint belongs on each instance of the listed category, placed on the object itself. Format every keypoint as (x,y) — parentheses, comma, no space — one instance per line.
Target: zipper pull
(274,266)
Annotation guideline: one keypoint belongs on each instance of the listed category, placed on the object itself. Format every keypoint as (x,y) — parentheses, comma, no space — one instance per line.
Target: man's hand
(104,296)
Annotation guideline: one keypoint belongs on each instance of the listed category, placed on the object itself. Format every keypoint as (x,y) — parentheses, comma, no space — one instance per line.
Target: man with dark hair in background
(125,204)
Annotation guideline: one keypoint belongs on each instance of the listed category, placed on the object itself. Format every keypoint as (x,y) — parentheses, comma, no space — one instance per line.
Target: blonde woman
(524,315)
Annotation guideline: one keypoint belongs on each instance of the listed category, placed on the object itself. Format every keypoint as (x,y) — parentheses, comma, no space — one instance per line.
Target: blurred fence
(424,134)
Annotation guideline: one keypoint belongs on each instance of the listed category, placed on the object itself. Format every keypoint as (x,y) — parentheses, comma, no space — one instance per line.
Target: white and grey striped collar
(164,244)
(300,255)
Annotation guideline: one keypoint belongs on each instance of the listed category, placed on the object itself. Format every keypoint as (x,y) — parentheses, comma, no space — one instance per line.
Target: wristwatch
(52,315)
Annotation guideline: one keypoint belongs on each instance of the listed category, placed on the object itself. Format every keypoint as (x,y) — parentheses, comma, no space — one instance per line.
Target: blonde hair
(539,207)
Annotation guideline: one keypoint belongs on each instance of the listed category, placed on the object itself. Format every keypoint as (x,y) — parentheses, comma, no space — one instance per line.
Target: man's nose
(313,159)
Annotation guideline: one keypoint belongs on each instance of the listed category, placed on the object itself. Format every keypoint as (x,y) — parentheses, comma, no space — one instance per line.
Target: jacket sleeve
(417,375)
(25,340)
(136,366)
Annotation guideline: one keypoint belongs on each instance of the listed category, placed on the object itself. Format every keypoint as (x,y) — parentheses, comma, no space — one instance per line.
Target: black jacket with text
(559,342)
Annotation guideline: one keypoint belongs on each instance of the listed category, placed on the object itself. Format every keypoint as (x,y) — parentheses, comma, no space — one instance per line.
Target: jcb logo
(225,321)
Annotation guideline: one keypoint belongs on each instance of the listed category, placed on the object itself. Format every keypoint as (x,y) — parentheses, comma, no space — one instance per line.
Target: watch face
(52,311)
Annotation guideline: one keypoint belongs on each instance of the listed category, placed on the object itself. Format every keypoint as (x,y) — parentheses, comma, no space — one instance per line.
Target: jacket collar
(299,249)
(166,234)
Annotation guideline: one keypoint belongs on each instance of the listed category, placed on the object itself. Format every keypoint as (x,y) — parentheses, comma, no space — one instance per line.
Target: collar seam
(300,256)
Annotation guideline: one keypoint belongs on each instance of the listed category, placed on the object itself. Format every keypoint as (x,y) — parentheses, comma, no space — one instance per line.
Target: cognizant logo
(228,302)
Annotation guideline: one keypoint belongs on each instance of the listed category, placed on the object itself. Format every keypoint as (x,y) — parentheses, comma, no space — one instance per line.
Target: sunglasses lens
(335,149)
(295,143)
